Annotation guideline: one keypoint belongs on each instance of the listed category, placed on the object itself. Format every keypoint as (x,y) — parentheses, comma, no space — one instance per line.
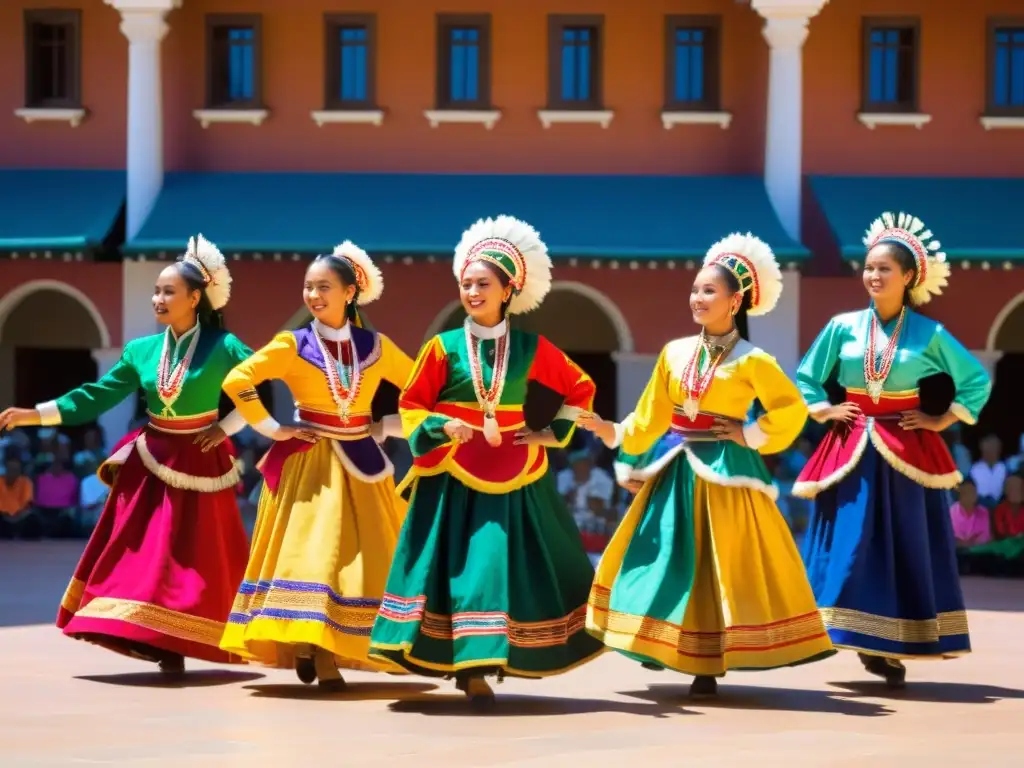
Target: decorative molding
(485,117)
(670,118)
(356,116)
(990,122)
(30,115)
(208,117)
(873,119)
(549,117)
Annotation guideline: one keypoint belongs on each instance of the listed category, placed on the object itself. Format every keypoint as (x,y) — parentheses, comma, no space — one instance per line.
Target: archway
(1005,344)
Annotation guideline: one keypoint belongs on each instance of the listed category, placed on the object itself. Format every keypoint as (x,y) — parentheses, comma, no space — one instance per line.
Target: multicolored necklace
(343,380)
(170,382)
(875,371)
(714,349)
(488,397)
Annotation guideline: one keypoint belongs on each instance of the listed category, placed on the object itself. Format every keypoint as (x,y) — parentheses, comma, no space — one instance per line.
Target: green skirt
(493,583)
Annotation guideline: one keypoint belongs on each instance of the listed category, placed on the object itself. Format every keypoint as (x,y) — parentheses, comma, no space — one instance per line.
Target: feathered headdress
(207,258)
(515,248)
(909,231)
(754,265)
(369,280)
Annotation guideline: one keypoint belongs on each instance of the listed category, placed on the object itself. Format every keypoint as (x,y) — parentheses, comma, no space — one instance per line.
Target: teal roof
(58,209)
(973,218)
(648,217)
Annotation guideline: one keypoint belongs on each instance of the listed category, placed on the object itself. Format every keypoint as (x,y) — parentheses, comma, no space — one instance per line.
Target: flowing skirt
(321,549)
(486,582)
(158,574)
(881,557)
(703,578)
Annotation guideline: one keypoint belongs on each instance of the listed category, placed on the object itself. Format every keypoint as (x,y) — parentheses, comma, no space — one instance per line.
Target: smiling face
(712,301)
(885,278)
(483,293)
(326,295)
(173,302)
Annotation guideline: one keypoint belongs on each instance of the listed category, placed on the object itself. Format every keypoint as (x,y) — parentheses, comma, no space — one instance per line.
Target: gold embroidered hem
(155,618)
(949,624)
(502,663)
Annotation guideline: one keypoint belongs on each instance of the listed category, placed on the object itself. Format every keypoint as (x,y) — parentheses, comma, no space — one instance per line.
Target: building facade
(632,135)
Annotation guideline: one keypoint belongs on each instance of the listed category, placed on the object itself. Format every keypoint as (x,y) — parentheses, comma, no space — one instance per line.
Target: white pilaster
(778,332)
(632,370)
(142,22)
(785,30)
(115,421)
(137,317)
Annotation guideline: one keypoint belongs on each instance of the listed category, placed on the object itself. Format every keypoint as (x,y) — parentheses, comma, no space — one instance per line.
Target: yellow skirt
(321,551)
(703,578)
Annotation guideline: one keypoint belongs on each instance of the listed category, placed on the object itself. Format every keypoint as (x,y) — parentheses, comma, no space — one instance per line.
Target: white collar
(483,332)
(185,335)
(333,334)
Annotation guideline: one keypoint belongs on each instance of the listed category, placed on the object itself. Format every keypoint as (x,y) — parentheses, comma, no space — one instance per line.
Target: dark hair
(904,258)
(503,279)
(733,284)
(345,272)
(207,316)
(968,481)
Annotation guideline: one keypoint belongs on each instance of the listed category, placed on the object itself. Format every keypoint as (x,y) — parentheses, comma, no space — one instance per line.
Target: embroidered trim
(810,489)
(154,617)
(949,624)
(185,482)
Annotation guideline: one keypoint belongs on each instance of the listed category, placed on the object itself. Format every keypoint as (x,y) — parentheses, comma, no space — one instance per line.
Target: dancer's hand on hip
(458,431)
(211,437)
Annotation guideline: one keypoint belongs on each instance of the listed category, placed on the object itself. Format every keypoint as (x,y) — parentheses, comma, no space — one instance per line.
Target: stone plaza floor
(65,703)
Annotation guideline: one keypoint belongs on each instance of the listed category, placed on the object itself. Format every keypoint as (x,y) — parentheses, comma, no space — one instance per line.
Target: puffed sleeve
(553,369)
(422,427)
(785,410)
(817,366)
(652,416)
(270,362)
(972,382)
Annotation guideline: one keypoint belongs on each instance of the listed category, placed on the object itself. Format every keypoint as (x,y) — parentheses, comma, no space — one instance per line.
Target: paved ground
(64,703)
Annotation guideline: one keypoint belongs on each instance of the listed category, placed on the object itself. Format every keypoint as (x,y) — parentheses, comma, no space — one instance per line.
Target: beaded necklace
(342,379)
(877,371)
(697,383)
(488,397)
(170,382)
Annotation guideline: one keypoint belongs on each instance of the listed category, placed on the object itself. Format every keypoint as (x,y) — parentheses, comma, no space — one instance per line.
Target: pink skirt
(161,569)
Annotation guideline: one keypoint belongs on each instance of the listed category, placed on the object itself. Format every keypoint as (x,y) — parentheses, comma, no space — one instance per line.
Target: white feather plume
(208,256)
(929,281)
(527,240)
(374,280)
(765,266)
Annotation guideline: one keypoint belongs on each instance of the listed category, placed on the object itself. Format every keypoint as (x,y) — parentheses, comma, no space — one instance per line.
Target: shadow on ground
(940,693)
(203,678)
(750,697)
(352,692)
(514,705)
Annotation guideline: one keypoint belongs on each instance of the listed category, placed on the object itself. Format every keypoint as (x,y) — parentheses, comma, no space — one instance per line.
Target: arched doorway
(1003,415)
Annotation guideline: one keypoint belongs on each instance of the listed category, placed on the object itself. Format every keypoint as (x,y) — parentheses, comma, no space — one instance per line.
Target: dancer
(702,575)
(490,575)
(328,515)
(880,550)
(158,575)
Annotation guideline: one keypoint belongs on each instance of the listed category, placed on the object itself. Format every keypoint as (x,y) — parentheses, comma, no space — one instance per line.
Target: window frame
(557,23)
(215,21)
(442,96)
(992,26)
(54,16)
(713,80)
(870,24)
(333,22)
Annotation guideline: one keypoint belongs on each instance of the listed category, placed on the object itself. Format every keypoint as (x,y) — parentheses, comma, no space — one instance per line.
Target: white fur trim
(268,427)
(653,469)
(233,423)
(962,413)
(944,482)
(766,268)
(49,414)
(808,490)
(352,469)
(374,285)
(201,250)
(180,480)
(754,436)
(704,472)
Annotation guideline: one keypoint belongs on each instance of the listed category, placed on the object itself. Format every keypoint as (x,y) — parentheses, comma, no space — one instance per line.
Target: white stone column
(142,22)
(632,370)
(115,421)
(778,332)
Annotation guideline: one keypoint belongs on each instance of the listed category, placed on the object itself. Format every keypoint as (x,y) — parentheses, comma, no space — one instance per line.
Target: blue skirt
(881,558)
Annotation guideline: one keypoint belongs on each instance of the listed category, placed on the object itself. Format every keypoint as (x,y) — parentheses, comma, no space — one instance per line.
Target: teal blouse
(925,348)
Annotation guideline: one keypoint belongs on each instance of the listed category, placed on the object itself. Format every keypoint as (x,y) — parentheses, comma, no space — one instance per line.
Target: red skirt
(161,569)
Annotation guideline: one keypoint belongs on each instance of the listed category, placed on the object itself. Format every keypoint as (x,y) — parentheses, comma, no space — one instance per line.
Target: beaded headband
(931,270)
(502,254)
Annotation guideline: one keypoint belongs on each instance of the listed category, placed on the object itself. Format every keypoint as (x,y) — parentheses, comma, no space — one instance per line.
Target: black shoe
(172,665)
(703,686)
(890,670)
(305,669)
(652,666)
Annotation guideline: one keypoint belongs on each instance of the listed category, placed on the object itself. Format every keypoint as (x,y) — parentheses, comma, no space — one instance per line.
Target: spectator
(1015,464)
(961,453)
(56,500)
(46,451)
(989,474)
(92,496)
(1009,515)
(17,518)
(88,460)
(588,490)
(971,523)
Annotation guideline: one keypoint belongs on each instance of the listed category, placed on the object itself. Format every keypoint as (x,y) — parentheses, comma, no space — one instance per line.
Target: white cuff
(620,434)
(816,409)
(49,414)
(268,427)
(962,413)
(623,472)
(233,423)
(569,413)
(754,436)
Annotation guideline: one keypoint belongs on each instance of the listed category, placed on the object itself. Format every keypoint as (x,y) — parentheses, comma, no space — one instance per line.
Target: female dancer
(163,563)
(490,575)
(328,515)
(702,575)
(880,550)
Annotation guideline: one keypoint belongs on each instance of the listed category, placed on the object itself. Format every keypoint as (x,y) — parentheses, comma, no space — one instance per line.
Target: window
(1006,68)
(463,62)
(890,65)
(692,63)
(53,63)
(351,75)
(574,62)
(233,51)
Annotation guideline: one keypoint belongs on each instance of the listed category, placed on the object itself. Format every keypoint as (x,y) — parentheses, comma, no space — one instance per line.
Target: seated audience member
(989,474)
(1009,515)
(588,490)
(92,495)
(88,460)
(57,500)
(971,523)
(17,518)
